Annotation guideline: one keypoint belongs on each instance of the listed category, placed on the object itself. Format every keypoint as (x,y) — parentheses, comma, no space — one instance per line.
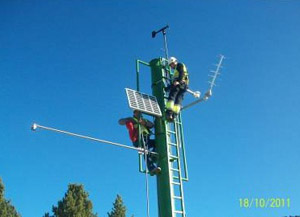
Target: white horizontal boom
(35,126)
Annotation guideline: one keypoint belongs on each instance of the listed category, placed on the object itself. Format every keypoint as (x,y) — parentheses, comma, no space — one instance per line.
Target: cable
(146,176)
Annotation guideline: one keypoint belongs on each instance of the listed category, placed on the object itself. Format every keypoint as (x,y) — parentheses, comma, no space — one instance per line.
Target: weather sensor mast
(169,135)
(164,32)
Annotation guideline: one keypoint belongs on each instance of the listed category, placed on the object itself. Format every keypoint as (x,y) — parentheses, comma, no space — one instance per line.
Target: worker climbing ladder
(169,138)
(176,147)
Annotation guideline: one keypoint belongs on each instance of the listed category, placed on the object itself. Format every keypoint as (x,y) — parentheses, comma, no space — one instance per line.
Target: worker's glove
(142,122)
(175,83)
(197,94)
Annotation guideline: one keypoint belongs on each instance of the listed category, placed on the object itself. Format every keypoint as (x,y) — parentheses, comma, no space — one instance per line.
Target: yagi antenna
(212,83)
(216,73)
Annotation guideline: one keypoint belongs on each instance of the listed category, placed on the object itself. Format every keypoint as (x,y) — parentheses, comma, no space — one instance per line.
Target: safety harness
(185,76)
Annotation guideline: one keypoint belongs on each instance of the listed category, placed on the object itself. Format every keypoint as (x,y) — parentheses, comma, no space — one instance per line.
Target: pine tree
(119,209)
(6,209)
(74,204)
(47,215)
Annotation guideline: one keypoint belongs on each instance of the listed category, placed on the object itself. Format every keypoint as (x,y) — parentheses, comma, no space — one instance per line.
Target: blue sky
(65,64)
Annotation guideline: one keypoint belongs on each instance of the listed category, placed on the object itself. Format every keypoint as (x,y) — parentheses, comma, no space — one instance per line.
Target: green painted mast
(163,180)
(170,147)
(169,140)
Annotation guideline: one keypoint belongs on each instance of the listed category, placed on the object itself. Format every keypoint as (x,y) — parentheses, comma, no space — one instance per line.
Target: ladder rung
(185,179)
(178,211)
(177,197)
(176,183)
(172,143)
(173,169)
(171,131)
(175,177)
(173,157)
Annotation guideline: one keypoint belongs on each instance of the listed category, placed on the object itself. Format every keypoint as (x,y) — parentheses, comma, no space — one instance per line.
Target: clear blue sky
(65,64)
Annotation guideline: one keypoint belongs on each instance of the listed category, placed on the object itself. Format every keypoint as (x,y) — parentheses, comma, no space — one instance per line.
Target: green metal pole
(137,75)
(138,62)
(163,180)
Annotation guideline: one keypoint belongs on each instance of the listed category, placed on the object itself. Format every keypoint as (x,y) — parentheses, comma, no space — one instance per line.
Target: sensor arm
(35,126)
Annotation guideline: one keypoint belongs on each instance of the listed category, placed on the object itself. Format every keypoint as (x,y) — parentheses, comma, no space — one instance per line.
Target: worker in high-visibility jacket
(177,88)
(138,126)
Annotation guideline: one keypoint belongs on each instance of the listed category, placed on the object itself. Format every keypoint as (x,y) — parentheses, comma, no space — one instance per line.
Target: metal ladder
(174,145)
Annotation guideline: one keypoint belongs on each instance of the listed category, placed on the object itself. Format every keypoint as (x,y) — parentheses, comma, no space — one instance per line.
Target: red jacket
(133,133)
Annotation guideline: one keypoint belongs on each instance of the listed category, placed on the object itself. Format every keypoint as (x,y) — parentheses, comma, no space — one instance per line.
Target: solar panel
(143,102)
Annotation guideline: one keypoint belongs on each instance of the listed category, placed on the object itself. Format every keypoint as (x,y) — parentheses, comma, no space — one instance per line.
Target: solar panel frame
(143,102)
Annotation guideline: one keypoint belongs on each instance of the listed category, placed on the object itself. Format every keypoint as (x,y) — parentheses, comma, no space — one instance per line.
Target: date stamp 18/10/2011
(265,203)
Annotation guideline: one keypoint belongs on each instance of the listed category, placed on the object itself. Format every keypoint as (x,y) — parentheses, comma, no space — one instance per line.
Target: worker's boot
(155,171)
(169,116)
(174,116)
